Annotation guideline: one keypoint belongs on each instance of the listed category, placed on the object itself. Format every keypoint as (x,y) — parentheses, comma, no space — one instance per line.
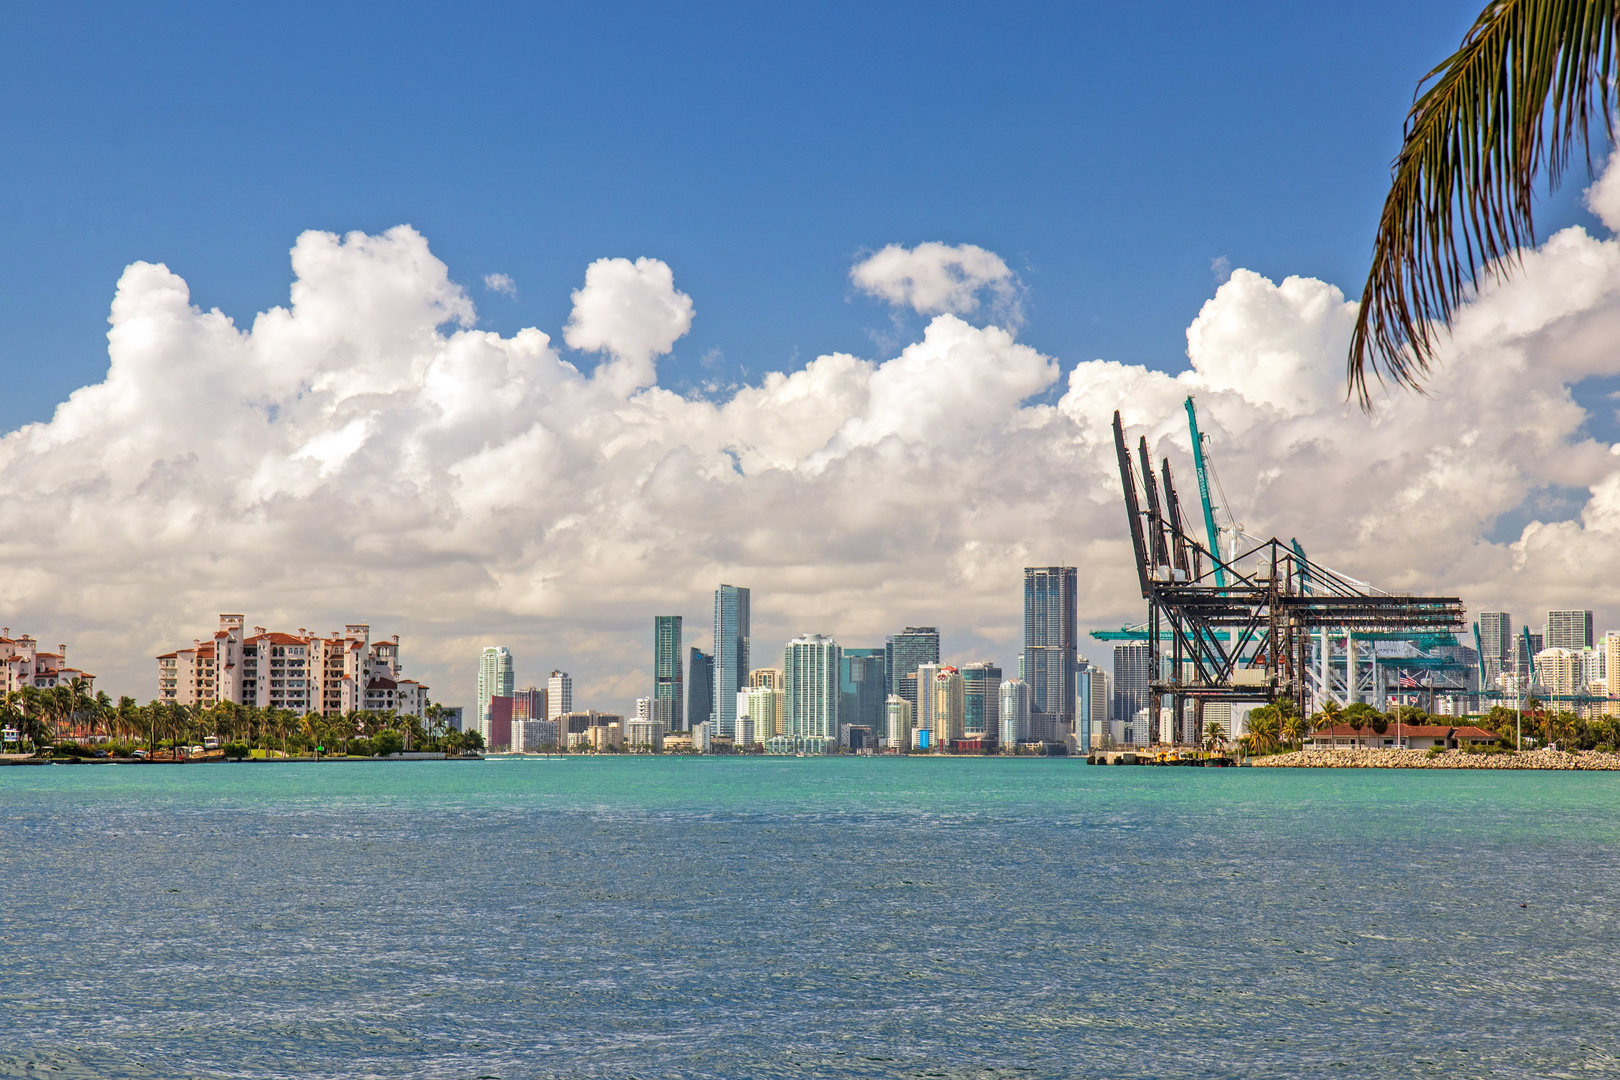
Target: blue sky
(1109,152)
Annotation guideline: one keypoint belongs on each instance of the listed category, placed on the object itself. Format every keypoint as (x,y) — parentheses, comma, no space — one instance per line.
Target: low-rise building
(1403,736)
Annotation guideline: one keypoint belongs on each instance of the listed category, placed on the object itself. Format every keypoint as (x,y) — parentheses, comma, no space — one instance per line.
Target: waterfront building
(1051,648)
(1569,630)
(22,665)
(495,678)
(703,736)
(731,654)
(773,679)
(810,678)
(1496,644)
(940,703)
(1131,696)
(981,699)
(498,734)
(1091,705)
(645,733)
(302,672)
(904,652)
(644,708)
(669,687)
(762,705)
(699,688)
(863,687)
(897,722)
(533,734)
(559,694)
(1014,713)
(574,728)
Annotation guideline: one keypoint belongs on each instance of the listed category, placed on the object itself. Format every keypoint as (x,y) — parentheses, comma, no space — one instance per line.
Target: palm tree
(1294,730)
(1510,101)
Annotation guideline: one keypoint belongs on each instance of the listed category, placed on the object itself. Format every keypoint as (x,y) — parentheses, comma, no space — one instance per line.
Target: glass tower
(981,690)
(863,688)
(1496,643)
(1050,644)
(810,672)
(904,651)
(669,698)
(731,631)
(700,688)
(494,678)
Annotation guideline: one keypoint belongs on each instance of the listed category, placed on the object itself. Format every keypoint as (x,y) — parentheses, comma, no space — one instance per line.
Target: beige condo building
(22,665)
(302,672)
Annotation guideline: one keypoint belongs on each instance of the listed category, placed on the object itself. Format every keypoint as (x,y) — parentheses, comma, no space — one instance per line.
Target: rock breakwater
(1450,759)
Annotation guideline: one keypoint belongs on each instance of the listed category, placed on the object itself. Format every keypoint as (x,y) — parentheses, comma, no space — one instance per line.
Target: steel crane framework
(1240,629)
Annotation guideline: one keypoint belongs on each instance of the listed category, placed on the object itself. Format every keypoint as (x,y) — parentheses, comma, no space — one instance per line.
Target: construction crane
(1210,530)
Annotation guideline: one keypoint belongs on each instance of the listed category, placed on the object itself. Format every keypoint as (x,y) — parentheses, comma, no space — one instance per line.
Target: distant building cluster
(1563,663)
(304,672)
(24,666)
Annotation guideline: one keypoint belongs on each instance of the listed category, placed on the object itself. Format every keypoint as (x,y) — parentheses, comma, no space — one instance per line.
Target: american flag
(1409,681)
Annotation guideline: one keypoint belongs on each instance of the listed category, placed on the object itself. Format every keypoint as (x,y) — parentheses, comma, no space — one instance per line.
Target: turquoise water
(685,917)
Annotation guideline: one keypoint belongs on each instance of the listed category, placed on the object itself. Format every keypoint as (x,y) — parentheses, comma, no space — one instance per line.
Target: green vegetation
(79,725)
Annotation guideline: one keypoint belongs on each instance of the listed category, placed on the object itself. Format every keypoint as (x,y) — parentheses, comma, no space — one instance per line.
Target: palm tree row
(68,712)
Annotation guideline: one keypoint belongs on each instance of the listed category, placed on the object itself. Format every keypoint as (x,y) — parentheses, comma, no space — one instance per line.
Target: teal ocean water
(680,917)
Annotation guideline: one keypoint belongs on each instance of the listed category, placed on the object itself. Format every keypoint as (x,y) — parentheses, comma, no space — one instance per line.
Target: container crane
(1210,530)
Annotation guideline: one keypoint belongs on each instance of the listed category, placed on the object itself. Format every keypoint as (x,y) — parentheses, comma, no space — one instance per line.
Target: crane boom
(1479,647)
(1203,493)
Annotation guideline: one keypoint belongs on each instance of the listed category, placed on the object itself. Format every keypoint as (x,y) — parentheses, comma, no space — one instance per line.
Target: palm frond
(1511,101)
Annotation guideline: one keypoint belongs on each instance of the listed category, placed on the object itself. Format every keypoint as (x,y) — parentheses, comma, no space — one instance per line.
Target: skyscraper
(1496,643)
(1568,630)
(863,688)
(669,697)
(981,699)
(559,695)
(731,633)
(904,651)
(1091,705)
(1131,681)
(1014,713)
(494,678)
(940,703)
(699,688)
(771,679)
(1050,647)
(810,672)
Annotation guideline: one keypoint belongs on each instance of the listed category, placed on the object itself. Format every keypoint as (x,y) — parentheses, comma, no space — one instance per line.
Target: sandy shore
(1451,759)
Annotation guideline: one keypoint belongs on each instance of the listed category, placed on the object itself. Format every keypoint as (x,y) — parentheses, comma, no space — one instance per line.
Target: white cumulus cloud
(630,310)
(365,453)
(500,283)
(936,279)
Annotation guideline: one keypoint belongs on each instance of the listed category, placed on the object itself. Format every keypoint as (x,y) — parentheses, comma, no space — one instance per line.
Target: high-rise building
(981,699)
(529,704)
(904,651)
(559,694)
(731,635)
(1559,672)
(1051,644)
(494,679)
(897,721)
(669,687)
(810,672)
(1496,643)
(1568,630)
(763,706)
(1525,659)
(940,703)
(863,688)
(771,678)
(1014,712)
(1131,679)
(699,688)
(1091,705)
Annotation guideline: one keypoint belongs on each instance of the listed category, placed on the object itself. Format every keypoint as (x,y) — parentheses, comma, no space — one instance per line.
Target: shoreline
(1367,758)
